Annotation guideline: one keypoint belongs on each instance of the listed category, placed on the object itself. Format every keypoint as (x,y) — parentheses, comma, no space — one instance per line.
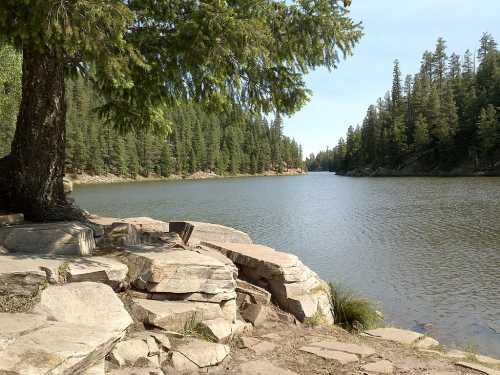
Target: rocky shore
(143,296)
(86,179)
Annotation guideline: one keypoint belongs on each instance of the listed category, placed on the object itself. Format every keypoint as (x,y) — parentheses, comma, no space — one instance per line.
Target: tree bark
(31,177)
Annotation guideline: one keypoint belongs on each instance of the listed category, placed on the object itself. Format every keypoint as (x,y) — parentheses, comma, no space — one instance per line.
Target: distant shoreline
(85,179)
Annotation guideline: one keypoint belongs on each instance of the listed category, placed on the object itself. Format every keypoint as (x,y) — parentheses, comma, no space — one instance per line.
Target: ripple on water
(427,248)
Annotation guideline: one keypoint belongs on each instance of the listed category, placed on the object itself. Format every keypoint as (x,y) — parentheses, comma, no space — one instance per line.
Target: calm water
(428,249)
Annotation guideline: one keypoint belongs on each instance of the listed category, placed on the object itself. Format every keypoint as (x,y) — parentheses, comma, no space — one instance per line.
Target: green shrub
(352,312)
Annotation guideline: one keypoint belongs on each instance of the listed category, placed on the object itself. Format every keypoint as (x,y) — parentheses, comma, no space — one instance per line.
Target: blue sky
(401,29)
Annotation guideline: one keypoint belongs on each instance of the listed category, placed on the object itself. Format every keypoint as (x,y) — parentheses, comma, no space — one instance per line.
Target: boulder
(256,314)
(173,315)
(214,232)
(295,288)
(203,353)
(129,231)
(257,295)
(11,219)
(187,274)
(87,304)
(67,238)
(30,345)
(127,353)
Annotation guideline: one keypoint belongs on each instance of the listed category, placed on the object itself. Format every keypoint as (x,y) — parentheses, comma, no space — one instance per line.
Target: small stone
(220,329)
(341,357)
(262,367)
(247,342)
(242,328)
(162,339)
(127,353)
(255,314)
(203,353)
(426,343)
(380,367)
(153,348)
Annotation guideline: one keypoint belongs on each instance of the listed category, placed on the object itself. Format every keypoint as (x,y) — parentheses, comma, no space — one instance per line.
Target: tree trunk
(31,177)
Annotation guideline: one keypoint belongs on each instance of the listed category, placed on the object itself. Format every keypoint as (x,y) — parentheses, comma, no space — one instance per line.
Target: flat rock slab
(162,270)
(342,357)
(24,275)
(478,367)
(85,303)
(401,336)
(361,350)
(68,238)
(97,269)
(11,219)
(263,368)
(34,346)
(203,353)
(214,232)
(380,367)
(173,315)
(263,347)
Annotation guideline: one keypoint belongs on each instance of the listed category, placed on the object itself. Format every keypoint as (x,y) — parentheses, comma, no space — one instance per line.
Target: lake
(427,249)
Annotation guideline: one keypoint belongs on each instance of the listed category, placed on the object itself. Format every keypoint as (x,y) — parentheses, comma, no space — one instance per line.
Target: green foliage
(10,94)
(352,311)
(447,113)
(145,56)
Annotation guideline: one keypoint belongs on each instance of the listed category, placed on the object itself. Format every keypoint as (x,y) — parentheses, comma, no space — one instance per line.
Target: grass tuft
(194,328)
(353,312)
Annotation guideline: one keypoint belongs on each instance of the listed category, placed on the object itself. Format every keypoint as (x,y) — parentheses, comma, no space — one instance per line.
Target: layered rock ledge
(142,296)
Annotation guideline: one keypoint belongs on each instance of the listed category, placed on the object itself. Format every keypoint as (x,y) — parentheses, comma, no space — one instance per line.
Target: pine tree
(396,92)
(439,63)
(421,134)
(133,165)
(487,131)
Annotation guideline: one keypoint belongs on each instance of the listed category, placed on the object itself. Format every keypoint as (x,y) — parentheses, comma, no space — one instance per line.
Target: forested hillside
(225,143)
(445,118)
